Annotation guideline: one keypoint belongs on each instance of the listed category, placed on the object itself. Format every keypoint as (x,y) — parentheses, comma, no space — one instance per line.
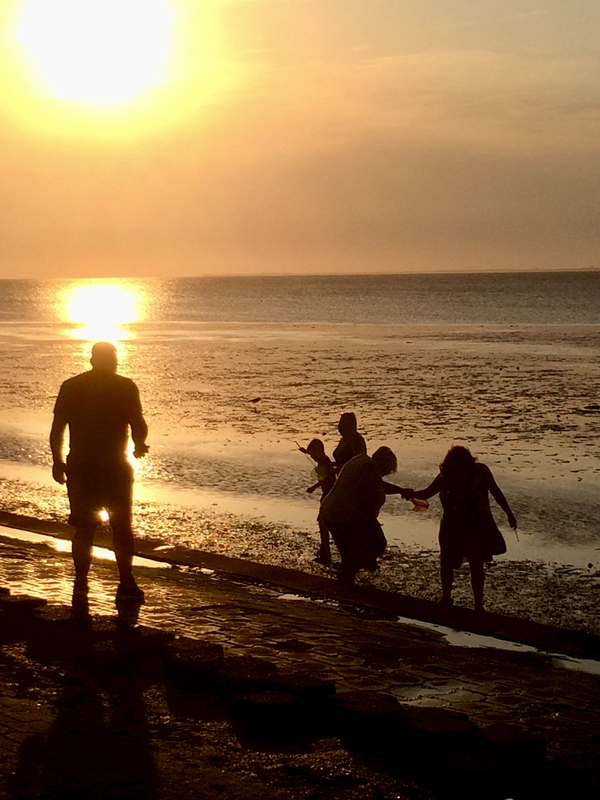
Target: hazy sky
(301,136)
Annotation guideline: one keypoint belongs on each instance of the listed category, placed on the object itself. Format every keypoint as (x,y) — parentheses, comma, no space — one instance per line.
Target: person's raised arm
(499,497)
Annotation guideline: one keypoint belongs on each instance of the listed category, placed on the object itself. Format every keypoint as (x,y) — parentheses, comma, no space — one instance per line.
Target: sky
(298,136)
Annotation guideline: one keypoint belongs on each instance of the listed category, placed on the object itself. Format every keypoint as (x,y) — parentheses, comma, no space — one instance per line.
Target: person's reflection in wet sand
(100,408)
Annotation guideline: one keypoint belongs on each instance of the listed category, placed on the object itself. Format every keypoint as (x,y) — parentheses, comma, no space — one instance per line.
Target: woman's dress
(468,529)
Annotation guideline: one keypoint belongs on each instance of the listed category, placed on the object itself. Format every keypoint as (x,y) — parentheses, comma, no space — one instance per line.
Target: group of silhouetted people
(354,490)
(101,409)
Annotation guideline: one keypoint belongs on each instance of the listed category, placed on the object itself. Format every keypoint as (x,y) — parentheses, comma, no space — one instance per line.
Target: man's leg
(81,550)
(119,511)
(82,517)
(123,547)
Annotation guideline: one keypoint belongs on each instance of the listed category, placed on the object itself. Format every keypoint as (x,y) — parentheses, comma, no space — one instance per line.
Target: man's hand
(140,450)
(59,472)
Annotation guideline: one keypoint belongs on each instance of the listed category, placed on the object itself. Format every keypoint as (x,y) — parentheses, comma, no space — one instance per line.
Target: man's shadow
(98,745)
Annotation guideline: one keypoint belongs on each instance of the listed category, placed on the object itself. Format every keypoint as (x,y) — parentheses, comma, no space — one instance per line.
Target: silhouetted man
(99,407)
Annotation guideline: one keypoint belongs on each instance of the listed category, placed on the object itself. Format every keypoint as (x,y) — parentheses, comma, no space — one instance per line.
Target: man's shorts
(93,487)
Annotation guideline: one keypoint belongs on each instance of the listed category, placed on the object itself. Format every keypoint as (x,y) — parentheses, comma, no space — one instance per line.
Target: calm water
(491,299)
(507,364)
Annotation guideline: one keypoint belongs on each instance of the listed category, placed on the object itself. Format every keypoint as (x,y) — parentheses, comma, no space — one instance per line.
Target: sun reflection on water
(102,311)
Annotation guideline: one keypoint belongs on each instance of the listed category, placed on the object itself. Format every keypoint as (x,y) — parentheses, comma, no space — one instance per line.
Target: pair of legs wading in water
(83,542)
(477,581)
(90,492)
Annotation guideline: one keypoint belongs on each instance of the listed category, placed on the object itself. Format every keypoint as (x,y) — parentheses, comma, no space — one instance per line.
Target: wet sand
(551,593)
(522,397)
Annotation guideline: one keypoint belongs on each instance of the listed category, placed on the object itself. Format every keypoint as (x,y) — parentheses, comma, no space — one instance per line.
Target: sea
(235,373)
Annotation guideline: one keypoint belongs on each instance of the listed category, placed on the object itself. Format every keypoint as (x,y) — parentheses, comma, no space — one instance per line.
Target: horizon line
(312,274)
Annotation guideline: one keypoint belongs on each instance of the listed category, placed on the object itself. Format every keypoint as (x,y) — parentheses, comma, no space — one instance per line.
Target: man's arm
(139,428)
(57,434)
(139,432)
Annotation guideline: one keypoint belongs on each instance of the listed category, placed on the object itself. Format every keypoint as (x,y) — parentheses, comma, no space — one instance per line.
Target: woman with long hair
(468,530)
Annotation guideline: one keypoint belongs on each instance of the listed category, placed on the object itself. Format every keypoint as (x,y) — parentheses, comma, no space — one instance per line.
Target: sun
(99,52)
(101,310)
(116,70)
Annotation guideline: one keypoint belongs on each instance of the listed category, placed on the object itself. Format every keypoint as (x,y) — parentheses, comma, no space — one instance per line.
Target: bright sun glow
(114,70)
(100,52)
(102,309)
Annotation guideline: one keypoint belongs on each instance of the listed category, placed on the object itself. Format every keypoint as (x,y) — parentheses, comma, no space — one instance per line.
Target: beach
(202,695)
(549,593)
(235,374)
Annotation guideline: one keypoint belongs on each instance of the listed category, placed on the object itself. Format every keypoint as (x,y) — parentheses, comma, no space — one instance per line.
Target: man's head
(104,357)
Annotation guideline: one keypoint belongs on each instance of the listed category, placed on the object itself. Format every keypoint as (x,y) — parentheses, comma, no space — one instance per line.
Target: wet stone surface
(389,710)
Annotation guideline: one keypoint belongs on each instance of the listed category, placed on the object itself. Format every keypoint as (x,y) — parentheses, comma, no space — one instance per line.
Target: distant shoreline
(357,274)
